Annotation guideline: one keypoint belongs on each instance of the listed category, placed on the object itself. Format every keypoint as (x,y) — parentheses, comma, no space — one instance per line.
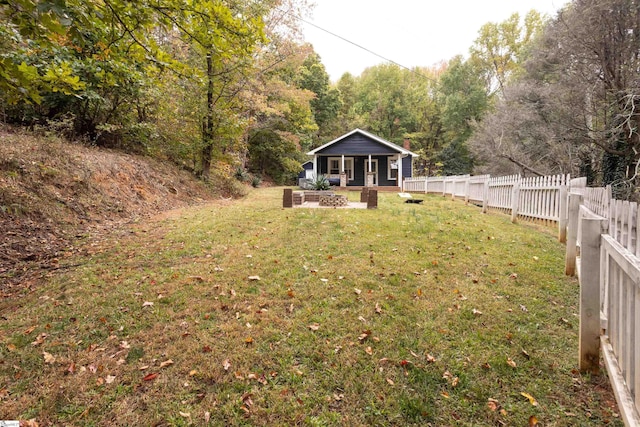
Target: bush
(319,182)
(256,181)
(241,174)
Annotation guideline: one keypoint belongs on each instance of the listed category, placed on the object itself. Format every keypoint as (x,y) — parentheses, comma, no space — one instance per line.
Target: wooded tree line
(219,84)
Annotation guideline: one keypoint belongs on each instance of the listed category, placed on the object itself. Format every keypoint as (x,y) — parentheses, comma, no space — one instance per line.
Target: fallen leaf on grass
(166,363)
(532,399)
(430,358)
(511,362)
(378,309)
(493,404)
(248,340)
(476,312)
(314,326)
(254,277)
(533,421)
(226,364)
(184,414)
(364,335)
(49,358)
(39,340)
(357,291)
(150,377)
(369,351)
(110,379)
(390,381)
(451,379)
(29,330)
(147,304)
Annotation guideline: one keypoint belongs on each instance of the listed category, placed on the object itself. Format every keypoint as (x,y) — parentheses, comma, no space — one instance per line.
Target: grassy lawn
(243,313)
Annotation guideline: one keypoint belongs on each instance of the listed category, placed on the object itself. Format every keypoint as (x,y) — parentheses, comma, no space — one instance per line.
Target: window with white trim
(392,170)
(333,166)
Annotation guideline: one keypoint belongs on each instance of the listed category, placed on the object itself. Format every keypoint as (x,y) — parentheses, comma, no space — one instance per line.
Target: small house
(362,159)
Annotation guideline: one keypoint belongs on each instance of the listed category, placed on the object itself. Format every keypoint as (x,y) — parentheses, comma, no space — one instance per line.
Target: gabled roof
(379,140)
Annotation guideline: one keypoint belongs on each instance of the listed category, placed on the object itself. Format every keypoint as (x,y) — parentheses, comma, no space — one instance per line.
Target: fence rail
(603,248)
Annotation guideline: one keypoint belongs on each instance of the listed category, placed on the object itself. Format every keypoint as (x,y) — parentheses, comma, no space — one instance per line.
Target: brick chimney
(406,144)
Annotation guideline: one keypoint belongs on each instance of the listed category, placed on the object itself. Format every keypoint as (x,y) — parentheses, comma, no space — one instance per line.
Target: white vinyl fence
(603,249)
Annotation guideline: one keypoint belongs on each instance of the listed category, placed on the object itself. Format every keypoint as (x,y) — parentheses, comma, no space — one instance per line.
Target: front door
(374,169)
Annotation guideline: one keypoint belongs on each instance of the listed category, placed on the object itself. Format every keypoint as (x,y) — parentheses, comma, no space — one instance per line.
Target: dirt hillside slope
(54,192)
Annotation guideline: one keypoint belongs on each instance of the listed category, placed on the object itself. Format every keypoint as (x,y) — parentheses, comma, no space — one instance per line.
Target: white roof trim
(370,135)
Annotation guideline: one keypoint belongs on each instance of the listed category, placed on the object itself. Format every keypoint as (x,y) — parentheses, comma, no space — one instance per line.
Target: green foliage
(241,174)
(319,182)
(326,103)
(273,153)
(500,49)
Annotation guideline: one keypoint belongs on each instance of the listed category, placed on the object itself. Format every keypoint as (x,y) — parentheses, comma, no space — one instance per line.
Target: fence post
(562,221)
(589,344)
(453,189)
(515,202)
(467,186)
(575,200)
(426,181)
(485,197)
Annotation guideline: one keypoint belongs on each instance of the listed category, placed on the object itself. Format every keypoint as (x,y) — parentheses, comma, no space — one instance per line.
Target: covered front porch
(352,171)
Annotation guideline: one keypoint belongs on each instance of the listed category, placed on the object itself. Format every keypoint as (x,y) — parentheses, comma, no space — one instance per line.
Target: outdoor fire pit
(334,200)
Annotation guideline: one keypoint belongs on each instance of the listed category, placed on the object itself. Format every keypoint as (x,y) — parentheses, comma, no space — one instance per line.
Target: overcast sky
(409,32)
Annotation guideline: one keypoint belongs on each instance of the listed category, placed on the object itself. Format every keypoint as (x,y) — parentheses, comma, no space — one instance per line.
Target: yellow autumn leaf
(532,399)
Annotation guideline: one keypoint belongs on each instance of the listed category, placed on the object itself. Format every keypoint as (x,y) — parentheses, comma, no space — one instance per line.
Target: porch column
(369,182)
(399,172)
(343,175)
(315,166)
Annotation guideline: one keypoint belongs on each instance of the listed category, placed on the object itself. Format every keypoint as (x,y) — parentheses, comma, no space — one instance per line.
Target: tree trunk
(207,129)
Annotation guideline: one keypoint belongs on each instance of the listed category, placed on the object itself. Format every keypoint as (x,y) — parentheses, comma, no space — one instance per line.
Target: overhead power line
(344,39)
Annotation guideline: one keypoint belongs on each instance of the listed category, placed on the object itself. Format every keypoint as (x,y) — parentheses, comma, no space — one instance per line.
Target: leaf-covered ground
(52,191)
(244,313)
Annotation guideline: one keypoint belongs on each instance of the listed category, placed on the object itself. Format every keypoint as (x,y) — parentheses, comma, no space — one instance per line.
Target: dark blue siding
(305,167)
(357,144)
(406,167)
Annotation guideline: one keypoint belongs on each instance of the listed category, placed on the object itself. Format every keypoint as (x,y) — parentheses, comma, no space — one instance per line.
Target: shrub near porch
(245,313)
